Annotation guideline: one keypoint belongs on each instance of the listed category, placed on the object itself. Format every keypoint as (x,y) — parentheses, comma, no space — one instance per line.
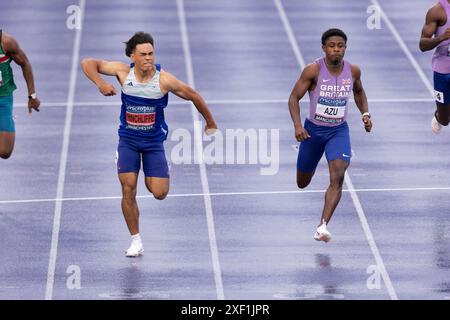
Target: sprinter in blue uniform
(143,130)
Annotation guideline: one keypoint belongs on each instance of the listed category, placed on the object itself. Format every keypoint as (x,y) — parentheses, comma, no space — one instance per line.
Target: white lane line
(63,159)
(348,180)
(199,151)
(176,102)
(370,239)
(219,194)
(290,34)
(405,48)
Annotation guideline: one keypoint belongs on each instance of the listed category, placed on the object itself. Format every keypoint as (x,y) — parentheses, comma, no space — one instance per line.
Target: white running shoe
(436,127)
(322,234)
(135,250)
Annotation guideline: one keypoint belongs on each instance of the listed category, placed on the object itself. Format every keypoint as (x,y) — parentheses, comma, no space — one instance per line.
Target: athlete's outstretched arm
(361,98)
(300,88)
(93,68)
(427,41)
(13,49)
(171,84)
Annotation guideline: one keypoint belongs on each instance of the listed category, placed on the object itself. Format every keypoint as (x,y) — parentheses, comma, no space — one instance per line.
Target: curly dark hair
(137,38)
(333,32)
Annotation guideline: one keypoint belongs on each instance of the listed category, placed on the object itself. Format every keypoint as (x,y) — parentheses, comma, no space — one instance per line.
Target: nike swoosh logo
(345,155)
(326,80)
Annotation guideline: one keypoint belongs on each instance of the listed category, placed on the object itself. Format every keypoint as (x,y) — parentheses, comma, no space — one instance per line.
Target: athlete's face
(334,49)
(143,56)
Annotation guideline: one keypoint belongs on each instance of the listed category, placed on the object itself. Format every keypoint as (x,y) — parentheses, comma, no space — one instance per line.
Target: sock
(136,237)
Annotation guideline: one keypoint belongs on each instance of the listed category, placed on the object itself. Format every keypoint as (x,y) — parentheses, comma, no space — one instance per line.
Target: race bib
(140,117)
(439,96)
(333,112)
(330,110)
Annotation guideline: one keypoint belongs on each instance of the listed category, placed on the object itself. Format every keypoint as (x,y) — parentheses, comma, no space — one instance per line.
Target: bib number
(330,111)
(439,96)
(141,119)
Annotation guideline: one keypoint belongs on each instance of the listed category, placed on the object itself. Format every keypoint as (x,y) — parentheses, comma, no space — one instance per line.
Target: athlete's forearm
(294,110)
(361,101)
(427,44)
(201,106)
(90,69)
(28,76)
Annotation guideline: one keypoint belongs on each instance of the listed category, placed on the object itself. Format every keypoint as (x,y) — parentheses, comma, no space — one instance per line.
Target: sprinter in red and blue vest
(143,130)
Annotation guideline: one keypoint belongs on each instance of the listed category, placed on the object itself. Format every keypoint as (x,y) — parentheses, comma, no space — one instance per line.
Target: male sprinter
(329,81)
(142,130)
(436,34)
(11,51)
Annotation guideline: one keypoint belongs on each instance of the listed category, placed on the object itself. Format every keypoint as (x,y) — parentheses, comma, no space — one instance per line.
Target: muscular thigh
(338,144)
(442,88)
(6,114)
(442,95)
(128,156)
(311,150)
(157,185)
(154,162)
(129,182)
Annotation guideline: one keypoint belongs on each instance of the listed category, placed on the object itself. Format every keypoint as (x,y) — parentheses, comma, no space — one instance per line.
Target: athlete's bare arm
(10,45)
(307,81)
(94,68)
(169,83)
(434,18)
(360,97)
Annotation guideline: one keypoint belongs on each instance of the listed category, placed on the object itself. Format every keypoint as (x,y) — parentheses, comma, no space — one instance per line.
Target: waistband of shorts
(7,98)
(317,126)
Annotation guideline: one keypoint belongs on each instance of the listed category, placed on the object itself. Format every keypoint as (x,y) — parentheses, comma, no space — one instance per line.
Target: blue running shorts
(6,114)
(130,152)
(442,87)
(334,141)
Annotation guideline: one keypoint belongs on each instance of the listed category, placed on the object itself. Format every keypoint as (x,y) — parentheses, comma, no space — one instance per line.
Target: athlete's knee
(304,179)
(161,194)
(6,151)
(5,154)
(443,118)
(337,181)
(129,192)
(303,183)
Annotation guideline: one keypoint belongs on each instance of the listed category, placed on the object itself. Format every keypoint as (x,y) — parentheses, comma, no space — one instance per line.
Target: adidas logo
(130,83)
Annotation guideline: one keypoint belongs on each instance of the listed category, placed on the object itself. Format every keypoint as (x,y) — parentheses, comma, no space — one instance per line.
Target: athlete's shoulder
(120,66)
(355,67)
(9,43)
(315,65)
(312,69)
(166,77)
(167,81)
(356,71)
(6,36)
(436,13)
